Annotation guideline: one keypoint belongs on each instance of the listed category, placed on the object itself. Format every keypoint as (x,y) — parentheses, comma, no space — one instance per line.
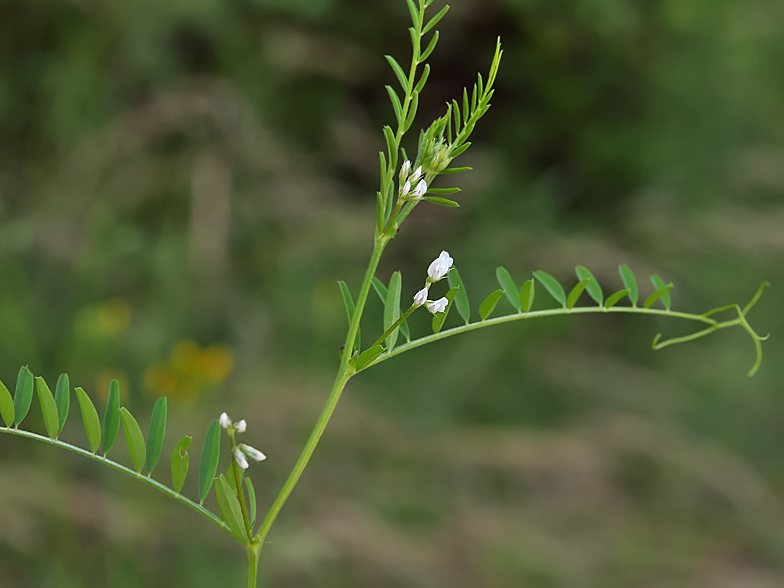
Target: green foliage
(208,465)
(368,356)
(62,398)
(552,286)
(180,461)
(251,501)
(614,299)
(571,300)
(662,293)
(527,292)
(156,434)
(440,317)
(134,438)
(348,303)
(488,304)
(92,424)
(593,288)
(48,407)
(230,509)
(6,405)
(509,287)
(111,417)
(629,282)
(23,396)
(664,289)
(392,307)
(461,296)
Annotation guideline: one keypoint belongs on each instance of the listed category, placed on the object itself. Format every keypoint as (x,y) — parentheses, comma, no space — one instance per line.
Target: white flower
(251,452)
(417,174)
(404,169)
(239,457)
(224,421)
(405,189)
(420,190)
(241,426)
(438,305)
(421,297)
(440,266)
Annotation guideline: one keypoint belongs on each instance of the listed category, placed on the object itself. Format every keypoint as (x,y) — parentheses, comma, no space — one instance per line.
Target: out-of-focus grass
(204,173)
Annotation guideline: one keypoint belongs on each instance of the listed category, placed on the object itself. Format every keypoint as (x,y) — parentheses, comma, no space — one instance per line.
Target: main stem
(345,371)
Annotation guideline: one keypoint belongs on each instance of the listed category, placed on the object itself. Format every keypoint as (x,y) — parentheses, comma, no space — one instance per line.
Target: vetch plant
(405,183)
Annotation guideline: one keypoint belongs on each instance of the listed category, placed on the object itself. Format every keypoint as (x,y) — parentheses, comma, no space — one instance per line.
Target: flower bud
(239,457)
(224,420)
(420,190)
(241,426)
(252,452)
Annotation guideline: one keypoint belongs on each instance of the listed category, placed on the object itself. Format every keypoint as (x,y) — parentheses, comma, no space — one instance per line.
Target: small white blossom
(417,174)
(405,189)
(421,297)
(224,421)
(404,169)
(440,266)
(420,190)
(252,452)
(239,457)
(241,426)
(438,305)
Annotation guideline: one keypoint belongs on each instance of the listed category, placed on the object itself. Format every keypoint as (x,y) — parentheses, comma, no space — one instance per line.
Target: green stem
(121,468)
(254,551)
(545,313)
(395,325)
(238,483)
(345,371)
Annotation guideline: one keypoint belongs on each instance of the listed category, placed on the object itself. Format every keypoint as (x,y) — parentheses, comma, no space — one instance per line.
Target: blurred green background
(182,183)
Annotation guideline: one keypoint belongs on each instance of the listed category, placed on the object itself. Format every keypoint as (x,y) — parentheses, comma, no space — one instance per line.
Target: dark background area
(182,183)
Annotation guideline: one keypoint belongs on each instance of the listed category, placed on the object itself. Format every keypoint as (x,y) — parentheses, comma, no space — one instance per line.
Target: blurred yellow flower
(190,371)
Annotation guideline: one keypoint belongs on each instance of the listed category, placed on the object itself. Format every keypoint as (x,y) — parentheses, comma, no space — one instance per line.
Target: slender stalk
(254,551)
(345,371)
(547,313)
(395,325)
(238,483)
(121,468)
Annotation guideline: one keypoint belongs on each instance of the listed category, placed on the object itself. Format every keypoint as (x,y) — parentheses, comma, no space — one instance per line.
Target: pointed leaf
(393,97)
(593,288)
(656,295)
(488,304)
(423,79)
(111,418)
(62,398)
(527,295)
(552,286)
(134,438)
(412,110)
(459,150)
(48,407)
(461,298)
(441,201)
(575,293)
(251,501)
(434,21)
(659,284)
(208,465)
(444,190)
(92,424)
(23,396)
(230,509)
(180,462)
(380,289)
(615,298)
(392,307)
(510,288)
(456,170)
(348,302)
(401,77)
(414,12)
(156,434)
(440,317)
(6,406)
(368,356)
(629,282)
(430,46)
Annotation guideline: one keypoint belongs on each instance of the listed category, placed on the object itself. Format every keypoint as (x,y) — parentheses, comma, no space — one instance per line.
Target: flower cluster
(436,271)
(408,179)
(241,452)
